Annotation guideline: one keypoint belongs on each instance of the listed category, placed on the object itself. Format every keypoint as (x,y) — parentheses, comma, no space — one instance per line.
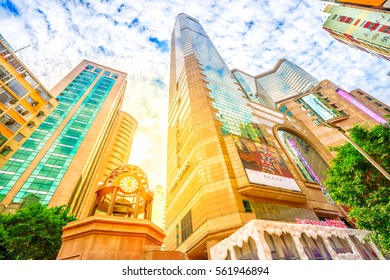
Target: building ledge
(273,193)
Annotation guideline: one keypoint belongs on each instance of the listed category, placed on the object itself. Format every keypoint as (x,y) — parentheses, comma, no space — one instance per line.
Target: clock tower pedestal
(119,225)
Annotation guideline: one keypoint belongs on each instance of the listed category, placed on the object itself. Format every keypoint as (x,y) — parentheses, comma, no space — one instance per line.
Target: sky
(134,37)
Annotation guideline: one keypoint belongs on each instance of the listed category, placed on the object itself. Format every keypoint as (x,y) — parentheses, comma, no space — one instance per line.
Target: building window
(43,94)
(9,122)
(30,80)
(40,115)
(385,29)
(4,74)
(387,110)
(18,137)
(17,88)
(282,247)
(107,73)
(3,139)
(5,151)
(315,248)
(115,76)
(31,124)
(31,101)
(368,24)
(98,70)
(247,206)
(22,111)
(364,249)
(6,98)
(346,19)
(371,25)
(248,251)
(186,226)
(368,98)
(339,245)
(89,67)
(334,17)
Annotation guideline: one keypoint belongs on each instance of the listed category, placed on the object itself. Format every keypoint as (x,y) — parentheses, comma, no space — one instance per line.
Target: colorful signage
(263,165)
(327,223)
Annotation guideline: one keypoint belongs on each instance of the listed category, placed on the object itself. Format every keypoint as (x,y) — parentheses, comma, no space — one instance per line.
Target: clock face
(129,184)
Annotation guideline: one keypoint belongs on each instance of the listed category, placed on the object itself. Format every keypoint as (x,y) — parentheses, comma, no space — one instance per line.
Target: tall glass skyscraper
(59,156)
(227,163)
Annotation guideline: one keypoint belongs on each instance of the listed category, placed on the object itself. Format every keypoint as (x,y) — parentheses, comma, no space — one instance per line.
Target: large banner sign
(263,165)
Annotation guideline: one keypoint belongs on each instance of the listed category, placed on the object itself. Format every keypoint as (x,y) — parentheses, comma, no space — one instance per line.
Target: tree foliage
(354,182)
(33,233)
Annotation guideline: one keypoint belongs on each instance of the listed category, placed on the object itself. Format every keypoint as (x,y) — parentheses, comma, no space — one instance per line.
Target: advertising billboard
(264,165)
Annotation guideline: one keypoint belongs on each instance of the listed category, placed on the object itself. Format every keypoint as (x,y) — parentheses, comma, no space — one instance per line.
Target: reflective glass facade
(318,107)
(286,80)
(48,173)
(227,96)
(253,90)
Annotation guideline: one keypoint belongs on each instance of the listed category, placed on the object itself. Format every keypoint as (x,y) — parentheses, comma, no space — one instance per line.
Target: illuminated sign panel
(361,106)
(263,165)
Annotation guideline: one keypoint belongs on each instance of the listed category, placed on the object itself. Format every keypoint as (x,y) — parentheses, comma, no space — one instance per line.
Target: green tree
(33,233)
(354,182)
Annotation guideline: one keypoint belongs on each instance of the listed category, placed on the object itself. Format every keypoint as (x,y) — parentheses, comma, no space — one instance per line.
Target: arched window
(312,166)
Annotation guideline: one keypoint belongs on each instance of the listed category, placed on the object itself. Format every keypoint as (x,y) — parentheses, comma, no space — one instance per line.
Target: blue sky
(134,37)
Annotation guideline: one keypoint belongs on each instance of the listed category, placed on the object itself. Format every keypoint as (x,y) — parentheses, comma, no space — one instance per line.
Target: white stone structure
(267,240)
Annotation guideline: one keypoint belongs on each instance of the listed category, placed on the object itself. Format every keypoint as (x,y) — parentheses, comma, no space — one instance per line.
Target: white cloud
(244,32)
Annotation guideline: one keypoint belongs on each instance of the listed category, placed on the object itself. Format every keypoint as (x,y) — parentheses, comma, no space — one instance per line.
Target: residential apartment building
(361,28)
(373,4)
(24,102)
